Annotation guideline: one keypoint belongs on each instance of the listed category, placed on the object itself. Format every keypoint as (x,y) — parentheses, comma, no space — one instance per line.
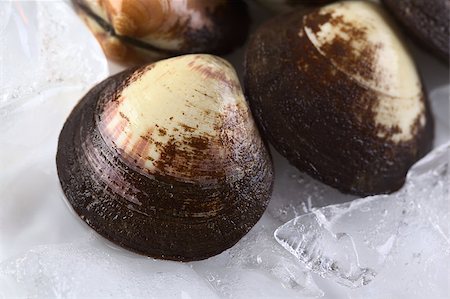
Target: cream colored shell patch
(375,57)
(176,114)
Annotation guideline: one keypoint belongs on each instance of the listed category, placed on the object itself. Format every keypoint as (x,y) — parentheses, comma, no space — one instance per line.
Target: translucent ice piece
(386,234)
(43,46)
(309,238)
(257,267)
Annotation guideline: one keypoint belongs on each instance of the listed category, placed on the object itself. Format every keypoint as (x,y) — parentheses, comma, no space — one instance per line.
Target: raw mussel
(336,92)
(166,160)
(426,20)
(148,30)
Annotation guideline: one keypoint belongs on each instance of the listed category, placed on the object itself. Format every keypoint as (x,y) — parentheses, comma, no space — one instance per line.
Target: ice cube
(257,267)
(402,237)
(310,239)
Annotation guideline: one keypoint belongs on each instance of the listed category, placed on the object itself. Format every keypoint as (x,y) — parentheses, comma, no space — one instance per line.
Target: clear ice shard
(257,267)
(380,238)
(311,240)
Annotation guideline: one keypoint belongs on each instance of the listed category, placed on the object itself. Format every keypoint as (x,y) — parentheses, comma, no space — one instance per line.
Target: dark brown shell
(319,117)
(287,5)
(149,30)
(151,213)
(427,21)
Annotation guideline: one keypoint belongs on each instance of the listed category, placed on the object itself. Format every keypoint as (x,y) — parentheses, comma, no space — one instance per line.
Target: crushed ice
(378,232)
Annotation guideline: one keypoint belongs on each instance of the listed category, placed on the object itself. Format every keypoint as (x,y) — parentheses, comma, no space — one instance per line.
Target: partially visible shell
(148,30)
(166,160)
(427,21)
(337,93)
(287,5)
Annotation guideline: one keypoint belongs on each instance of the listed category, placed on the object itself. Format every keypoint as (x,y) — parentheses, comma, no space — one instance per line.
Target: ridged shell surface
(336,92)
(166,160)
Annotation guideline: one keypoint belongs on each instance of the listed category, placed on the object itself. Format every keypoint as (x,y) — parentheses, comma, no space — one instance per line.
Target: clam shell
(166,160)
(337,93)
(149,30)
(426,21)
(288,5)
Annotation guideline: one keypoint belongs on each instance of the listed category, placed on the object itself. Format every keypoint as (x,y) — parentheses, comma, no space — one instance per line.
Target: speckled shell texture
(149,30)
(339,96)
(188,188)
(288,5)
(427,21)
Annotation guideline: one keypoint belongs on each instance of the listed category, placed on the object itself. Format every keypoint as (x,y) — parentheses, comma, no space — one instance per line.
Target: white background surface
(48,60)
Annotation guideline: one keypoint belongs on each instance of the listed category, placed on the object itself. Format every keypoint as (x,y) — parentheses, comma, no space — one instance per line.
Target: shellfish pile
(166,160)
